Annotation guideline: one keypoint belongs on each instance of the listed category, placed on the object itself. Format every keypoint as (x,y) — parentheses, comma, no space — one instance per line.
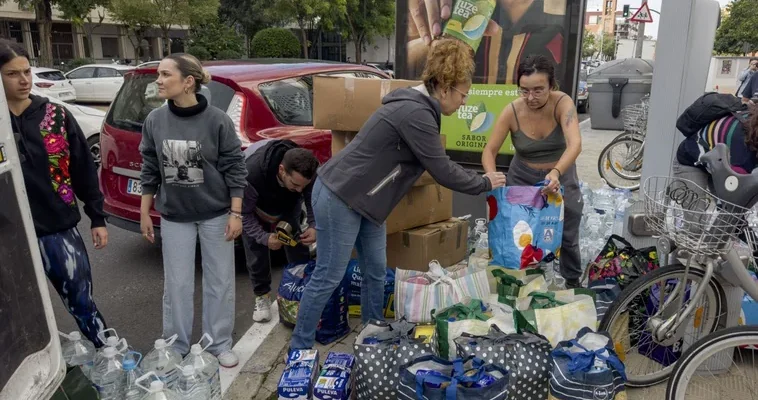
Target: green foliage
(200,52)
(589,46)
(217,39)
(363,20)
(609,46)
(228,55)
(76,63)
(275,43)
(738,33)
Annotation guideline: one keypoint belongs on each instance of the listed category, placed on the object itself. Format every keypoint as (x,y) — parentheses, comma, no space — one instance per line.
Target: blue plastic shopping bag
(526,225)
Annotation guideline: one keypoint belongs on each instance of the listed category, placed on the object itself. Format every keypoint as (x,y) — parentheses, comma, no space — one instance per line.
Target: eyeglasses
(465,95)
(535,92)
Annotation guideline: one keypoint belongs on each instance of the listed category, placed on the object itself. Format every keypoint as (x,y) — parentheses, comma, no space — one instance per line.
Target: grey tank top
(550,149)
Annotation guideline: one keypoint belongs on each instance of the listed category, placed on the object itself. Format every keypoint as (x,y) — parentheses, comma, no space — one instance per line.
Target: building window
(12,30)
(110,47)
(177,45)
(63,43)
(726,67)
(594,19)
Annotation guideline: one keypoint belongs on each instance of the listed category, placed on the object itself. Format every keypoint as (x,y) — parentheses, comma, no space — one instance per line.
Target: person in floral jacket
(57,167)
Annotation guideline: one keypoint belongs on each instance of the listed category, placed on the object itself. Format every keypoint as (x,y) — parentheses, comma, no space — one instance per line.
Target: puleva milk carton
(335,382)
(299,375)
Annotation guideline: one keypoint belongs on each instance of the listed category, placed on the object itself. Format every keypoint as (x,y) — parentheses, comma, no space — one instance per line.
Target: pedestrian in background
(193,165)
(279,176)
(744,77)
(57,167)
(545,133)
(358,187)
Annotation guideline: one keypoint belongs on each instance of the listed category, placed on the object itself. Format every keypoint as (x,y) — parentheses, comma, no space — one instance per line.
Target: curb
(584,123)
(252,376)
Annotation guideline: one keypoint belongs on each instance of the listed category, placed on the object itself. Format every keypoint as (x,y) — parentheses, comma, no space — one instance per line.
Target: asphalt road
(128,289)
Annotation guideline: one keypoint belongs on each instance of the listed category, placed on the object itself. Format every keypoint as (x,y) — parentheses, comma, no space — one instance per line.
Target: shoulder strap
(556,109)
(515,115)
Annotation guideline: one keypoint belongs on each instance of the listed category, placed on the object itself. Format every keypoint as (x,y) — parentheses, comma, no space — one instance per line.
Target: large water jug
(206,364)
(78,352)
(191,385)
(108,375)
(157,389)
(132,372)
(163,360)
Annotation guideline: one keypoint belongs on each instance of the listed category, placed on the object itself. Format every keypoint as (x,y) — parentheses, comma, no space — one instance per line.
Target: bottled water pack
(603,215)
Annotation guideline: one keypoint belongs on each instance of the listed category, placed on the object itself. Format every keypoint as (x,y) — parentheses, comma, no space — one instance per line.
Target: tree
(215,38)
(589,47)
(738,33)
(609,46)
(305,13)
(275,43)
(138,16)
(168,13)
(43,17)
(364,19)
(79,12)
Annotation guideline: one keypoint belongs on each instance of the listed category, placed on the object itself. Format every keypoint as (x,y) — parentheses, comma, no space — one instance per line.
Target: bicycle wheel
(622,158)
(647,361)
(727,353)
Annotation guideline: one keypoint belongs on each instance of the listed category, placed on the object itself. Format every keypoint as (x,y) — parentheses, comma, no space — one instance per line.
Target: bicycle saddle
(736,188)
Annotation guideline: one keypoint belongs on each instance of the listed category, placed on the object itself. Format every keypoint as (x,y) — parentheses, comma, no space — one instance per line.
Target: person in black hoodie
(357,189)
(57,167)
(280,180)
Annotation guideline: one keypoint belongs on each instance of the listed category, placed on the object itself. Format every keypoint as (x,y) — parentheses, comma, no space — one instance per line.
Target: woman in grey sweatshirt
(194,167)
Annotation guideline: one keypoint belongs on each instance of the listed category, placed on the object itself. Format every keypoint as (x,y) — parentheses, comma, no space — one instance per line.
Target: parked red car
(266,99)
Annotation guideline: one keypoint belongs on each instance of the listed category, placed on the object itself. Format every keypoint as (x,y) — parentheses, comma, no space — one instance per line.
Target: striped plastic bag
(418,293)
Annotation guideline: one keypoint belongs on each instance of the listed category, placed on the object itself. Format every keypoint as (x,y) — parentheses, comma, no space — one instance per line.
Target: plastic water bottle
(132,372)
(163,360)
(206,364)
(157,390)
(482,248)
(78,352)
(108,376)
(113,342)
(475,233)
(191,385)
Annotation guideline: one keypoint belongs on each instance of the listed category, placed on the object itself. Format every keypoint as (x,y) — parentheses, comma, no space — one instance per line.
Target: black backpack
(708,108)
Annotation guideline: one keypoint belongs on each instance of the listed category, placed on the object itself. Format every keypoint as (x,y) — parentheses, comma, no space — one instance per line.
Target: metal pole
(640,39)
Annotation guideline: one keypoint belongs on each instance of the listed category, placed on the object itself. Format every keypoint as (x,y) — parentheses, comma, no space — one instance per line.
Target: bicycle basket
(635,117)
(692,217)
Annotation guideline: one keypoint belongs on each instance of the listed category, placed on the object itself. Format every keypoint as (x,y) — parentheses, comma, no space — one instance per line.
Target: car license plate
(134,186)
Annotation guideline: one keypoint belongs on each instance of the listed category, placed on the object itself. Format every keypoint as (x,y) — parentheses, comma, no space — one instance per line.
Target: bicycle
(631,143)
(681,302)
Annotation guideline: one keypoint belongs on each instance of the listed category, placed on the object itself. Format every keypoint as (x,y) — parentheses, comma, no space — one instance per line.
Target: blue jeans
(339,229)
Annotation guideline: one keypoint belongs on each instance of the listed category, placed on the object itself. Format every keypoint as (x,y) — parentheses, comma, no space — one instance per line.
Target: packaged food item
(335,382)
(425,332)
(427,372)
(469,20)
(299,375)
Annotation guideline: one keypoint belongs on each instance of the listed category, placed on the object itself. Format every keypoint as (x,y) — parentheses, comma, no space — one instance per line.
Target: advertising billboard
(502,33)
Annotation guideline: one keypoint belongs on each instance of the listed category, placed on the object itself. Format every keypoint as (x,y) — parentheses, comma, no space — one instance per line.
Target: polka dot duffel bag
(380,350)
(434,378)
(525,356)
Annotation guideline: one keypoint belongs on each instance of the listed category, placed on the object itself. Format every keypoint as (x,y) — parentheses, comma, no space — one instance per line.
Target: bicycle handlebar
(739,189)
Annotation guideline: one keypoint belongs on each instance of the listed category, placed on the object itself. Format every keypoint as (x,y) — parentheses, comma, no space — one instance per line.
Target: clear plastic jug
(206,364)
(108,375)
(191,385)
(78,352)
(157,389)
(163,360)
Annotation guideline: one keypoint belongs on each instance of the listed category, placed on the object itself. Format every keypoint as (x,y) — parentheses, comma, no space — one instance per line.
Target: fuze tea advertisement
(502,33)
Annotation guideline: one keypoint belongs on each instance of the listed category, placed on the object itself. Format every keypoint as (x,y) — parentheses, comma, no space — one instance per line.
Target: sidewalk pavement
(258,378)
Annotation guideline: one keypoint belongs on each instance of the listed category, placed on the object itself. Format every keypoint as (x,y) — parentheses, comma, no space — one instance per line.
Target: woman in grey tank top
(545,134)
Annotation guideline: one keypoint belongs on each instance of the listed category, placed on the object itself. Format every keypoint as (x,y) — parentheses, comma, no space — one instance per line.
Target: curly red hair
(450,62)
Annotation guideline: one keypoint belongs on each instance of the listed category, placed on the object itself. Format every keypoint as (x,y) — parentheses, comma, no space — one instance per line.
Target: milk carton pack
(335,382)
(299,375)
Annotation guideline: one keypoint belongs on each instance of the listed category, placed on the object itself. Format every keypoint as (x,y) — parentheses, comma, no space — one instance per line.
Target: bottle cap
(160,343)
(75,336)
(156,386)
(129,364)
(196,349)
(110,352)
(188,370)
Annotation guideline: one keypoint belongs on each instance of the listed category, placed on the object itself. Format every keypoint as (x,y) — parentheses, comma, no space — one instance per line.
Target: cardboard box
(422,205)
(345,104)
(413,249)
(340,139)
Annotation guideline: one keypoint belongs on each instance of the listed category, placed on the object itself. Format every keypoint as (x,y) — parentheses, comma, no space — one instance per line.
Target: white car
(98,82)
(89,119)
(53,83)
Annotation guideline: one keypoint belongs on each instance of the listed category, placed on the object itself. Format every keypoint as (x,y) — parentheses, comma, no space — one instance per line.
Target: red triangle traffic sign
(643,14)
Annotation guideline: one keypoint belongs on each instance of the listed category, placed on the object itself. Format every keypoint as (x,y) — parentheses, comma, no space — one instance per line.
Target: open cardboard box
(413,249)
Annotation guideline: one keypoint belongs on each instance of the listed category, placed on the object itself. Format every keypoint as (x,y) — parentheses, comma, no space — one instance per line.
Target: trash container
(615,85)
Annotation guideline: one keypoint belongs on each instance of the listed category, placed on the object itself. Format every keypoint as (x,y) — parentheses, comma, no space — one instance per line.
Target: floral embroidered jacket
(58,168)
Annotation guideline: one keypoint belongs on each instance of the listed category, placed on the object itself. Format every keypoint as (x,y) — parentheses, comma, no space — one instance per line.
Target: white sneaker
(228,359)
(262,311)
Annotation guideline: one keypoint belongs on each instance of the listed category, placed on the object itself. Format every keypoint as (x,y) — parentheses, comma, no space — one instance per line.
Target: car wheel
(94,148)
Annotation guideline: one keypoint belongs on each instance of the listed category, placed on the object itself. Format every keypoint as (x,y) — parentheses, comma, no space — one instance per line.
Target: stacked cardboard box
(420,228)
